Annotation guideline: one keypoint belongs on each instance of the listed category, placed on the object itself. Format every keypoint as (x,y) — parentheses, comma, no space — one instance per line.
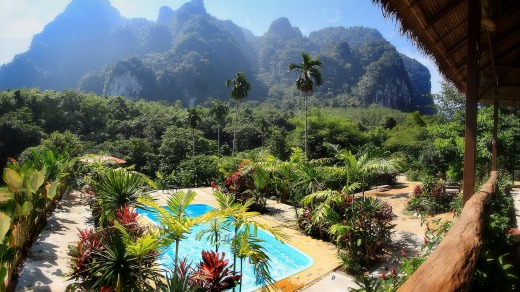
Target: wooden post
(470,139)
(495,130)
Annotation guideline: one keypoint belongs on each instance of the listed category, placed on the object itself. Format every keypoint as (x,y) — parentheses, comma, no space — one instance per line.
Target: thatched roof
(439,28)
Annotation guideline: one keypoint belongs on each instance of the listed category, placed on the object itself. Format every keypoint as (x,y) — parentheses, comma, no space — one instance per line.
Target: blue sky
(21,19)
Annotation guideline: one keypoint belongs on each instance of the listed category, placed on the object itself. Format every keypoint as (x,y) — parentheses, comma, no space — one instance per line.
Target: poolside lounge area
(46,265)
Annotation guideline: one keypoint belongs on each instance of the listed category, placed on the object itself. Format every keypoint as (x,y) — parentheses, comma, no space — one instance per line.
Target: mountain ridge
(90,46)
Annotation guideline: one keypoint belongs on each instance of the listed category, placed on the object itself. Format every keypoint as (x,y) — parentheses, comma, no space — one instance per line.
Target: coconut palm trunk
(218,142)
(235,131)
(239,88)
(193,142)
(306,124)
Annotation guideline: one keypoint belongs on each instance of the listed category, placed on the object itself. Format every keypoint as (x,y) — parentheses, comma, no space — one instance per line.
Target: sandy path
(47,262)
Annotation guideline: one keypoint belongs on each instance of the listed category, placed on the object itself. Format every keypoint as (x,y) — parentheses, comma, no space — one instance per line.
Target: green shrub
(360,227)
(413,175)
(197,171)
(495,270)
(431,198)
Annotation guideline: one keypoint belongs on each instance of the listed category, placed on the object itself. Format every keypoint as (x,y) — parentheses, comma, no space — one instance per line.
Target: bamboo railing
(450,267)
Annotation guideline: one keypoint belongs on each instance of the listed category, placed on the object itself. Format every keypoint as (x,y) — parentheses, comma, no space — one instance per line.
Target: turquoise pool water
(285,261)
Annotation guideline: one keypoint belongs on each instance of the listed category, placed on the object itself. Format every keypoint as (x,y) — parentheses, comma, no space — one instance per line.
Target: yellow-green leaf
(72,162)
(5,223)
(18,210)
(27,208)
(3,273)
(51,192)
(37,180)
(13,180)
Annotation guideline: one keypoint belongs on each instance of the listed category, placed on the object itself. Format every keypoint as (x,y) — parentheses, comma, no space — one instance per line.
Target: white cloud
(336,16)
(11,46)
(21,20)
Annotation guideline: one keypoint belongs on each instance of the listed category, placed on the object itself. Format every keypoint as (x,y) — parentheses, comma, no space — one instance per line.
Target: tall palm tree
(219,111)
(244,242)
(264,127)
(193,120)
(310,76)
(239,88)
(368,162)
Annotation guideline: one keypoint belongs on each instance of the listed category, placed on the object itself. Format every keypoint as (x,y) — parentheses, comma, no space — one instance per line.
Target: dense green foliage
(153,136)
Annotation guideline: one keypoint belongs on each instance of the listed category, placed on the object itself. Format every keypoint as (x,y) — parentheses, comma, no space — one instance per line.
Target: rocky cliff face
(124,85)
(394,93)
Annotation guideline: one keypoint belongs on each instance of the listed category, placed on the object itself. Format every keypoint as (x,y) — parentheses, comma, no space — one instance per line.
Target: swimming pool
(285,260)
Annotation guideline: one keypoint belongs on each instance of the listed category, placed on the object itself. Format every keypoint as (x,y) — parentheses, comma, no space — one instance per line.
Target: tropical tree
(239,88)
(244,242)
(310,76)
(174,223)
(215,227)
(193,120)
(264,127)
(246,245)
(286,176)
(369,161)
(219,111)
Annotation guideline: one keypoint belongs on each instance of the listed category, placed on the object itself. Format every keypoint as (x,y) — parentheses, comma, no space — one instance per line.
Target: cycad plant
(122,270)
(367,162)
(181,279)
(121,257)
(115,189)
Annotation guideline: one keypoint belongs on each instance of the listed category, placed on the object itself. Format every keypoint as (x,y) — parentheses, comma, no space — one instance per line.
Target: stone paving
(46,264)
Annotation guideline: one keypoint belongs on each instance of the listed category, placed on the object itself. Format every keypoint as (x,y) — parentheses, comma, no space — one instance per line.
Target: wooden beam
(446,9)
(470,140)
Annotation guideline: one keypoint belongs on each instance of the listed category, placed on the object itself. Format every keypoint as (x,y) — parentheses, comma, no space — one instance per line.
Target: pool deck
(46,265)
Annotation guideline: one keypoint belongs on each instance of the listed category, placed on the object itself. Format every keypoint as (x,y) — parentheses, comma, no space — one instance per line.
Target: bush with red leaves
(214,274)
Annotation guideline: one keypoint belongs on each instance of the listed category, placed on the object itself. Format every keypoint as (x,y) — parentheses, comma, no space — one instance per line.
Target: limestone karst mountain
(187,54)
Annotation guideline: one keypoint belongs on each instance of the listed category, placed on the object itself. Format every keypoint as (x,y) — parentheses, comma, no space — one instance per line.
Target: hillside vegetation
(156,136)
